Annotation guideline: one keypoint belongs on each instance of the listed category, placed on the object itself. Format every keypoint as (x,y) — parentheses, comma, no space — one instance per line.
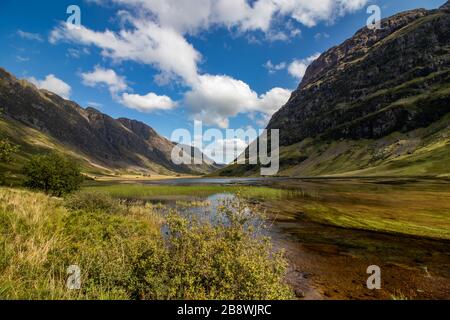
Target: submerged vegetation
(132,251)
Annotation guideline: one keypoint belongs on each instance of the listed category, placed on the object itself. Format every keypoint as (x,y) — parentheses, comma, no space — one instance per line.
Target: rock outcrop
(377,82)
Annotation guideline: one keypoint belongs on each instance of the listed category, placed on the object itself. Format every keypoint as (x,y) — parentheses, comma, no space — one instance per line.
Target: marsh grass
(143,192)
(417,208)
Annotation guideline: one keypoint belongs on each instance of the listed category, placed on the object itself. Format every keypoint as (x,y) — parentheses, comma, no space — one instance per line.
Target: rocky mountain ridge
(118,144)
(377,104)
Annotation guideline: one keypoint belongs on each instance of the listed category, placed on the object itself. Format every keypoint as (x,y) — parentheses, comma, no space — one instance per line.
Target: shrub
(214,260)
(91,201)
(7,149)
(53,174)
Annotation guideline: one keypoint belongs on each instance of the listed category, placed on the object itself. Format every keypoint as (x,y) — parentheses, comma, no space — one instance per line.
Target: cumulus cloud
(148,103)
(155,33)
(117,85)
(108,77)
(224,151)
(147,43)
(216,98)
(53,84)
(192,16)
(297,68)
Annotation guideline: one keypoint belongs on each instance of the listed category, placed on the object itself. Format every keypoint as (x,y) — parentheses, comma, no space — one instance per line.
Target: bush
(225,259)
(7,149)
(92,201)
(53,174)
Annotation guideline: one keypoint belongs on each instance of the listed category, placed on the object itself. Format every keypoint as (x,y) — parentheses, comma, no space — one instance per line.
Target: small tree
(7,148)
(53,174)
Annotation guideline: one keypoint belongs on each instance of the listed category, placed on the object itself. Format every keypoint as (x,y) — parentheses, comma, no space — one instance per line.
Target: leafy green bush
(7,148)
(223,259)
(92,201)
(53,174)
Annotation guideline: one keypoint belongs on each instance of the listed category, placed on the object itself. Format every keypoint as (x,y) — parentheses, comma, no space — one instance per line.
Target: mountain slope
(377,104)
(103,142)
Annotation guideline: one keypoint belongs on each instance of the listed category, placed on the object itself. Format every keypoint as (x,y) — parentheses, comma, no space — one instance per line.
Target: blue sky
(229,63)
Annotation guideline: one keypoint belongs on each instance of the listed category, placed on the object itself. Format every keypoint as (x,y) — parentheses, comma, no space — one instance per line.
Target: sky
(228,63)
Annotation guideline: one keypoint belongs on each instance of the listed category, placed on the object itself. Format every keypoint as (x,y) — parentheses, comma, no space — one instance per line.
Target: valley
(363,180)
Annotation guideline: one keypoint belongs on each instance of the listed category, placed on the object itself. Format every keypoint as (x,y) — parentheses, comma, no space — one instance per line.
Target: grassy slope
(33,142)
(40,239)
(422,152)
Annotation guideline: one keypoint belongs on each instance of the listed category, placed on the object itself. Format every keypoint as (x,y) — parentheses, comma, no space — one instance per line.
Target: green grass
(136,191)
(33,142)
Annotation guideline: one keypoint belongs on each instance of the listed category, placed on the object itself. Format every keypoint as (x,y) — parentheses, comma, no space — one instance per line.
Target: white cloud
(154,32)
(320,35)
(310,13)
(147,103)
(29,36)
(216,98)
(77,53)
(108,77)
(272,68)
(53,84)
(117,84)
(225,151)
(273,100)
(147,43)
(192,16)
(22,59)
(297,68)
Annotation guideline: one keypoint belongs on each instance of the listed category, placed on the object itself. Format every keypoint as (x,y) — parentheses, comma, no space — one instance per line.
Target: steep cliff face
(378,104)
(376,83)
(102,140)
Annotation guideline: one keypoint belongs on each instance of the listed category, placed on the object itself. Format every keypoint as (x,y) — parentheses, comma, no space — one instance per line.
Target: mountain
(40,120)
(378,104)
